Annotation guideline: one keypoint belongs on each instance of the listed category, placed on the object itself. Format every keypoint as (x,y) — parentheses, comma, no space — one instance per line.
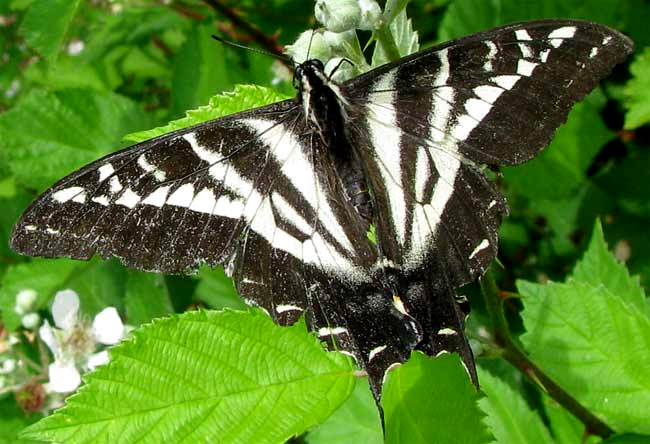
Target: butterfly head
(309,75)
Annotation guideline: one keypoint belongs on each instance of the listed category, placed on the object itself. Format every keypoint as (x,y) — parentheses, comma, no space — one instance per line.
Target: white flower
(74,341)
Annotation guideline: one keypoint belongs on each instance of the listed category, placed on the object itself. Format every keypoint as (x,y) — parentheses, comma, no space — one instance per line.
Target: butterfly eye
(317,64)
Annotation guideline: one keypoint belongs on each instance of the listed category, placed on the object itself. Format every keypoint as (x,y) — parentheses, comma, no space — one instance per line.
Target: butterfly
(285,196)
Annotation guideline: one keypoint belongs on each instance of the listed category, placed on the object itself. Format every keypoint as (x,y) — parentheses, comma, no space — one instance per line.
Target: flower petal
(64,377)
(46,334)
(108,326)
(98,359)
(65,309)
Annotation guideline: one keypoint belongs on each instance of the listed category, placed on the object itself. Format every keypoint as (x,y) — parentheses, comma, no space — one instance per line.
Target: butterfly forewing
(431,120)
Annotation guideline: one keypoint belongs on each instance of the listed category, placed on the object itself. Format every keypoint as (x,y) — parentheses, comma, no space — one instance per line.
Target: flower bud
(370,15)
(31,321)
(310,44)
(25,301)
(338,15)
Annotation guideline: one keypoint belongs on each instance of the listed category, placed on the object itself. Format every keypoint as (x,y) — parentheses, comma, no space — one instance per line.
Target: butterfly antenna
(284,58)
(313,31)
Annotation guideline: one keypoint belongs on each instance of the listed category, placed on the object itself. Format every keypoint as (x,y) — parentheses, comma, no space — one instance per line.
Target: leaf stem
(387,42)
(515,356)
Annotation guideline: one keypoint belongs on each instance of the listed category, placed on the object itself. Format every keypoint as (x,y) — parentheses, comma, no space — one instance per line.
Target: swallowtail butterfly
(284,195)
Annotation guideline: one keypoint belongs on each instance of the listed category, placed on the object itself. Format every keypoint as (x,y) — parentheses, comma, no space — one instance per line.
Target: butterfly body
(283,195)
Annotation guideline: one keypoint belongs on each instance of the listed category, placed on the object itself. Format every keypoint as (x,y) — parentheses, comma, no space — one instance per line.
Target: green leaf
(7,188)
(568,157)
(624,182)
(356,421)
(637,91)
(46,23)
(628,438)
(99,284)
(244,97)
(599,267)
(45,276)
(200,70)
(405,39)
(146,297)
(227,377)
(133,27)
(12,421)
(509,417)
(67,73)
(432,401)
(595,345)
(566,428)
(12,207)
(48,135)
(464,17)
(217,290)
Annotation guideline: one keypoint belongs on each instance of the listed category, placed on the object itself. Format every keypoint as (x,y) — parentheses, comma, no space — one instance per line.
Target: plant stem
(269,43)
(387,42)
(515,356)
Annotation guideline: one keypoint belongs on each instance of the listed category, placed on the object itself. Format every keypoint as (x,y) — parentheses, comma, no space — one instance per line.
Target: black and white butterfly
(284,195)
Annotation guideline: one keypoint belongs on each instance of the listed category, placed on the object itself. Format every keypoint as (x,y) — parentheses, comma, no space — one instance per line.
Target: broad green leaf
(217,290)
(561,216)
(432,401)
(69,72)
(244,97)
(226,377)
(12,207)
(599,267)
(628,438)
(133,27)
(48,135)
(568,157)
(625,181)
(146,297)
(45,276)
(566,428)
(200,70)
(595,345)
(637,91)
(468,16)
(406,40)
(356,421)
(7,188)
(509,417)
(13,420)
(99,284)
(46,23)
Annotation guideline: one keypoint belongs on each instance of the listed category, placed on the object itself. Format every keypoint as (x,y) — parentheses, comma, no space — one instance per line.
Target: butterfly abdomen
(357,192)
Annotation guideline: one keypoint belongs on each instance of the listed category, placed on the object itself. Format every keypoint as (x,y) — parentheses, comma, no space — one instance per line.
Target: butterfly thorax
(324,109)
(321,104)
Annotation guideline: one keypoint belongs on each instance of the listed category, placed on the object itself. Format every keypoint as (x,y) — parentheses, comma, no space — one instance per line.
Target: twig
(269,43)
(515,356)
